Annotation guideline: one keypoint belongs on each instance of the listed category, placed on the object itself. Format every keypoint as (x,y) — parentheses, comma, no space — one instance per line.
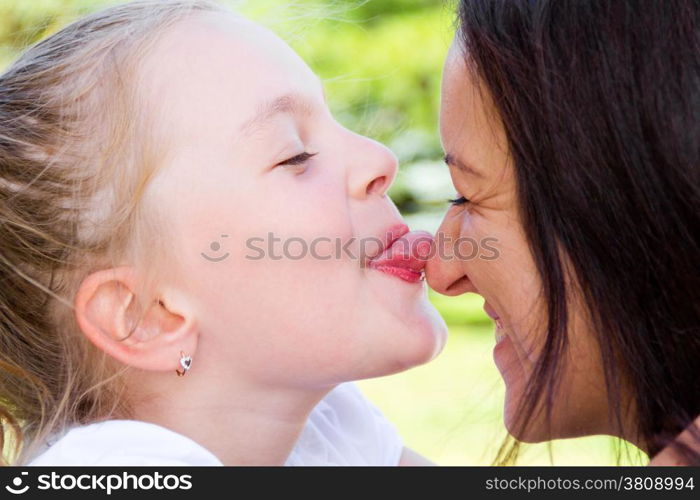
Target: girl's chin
(435,331)
(423,341)
(408,304)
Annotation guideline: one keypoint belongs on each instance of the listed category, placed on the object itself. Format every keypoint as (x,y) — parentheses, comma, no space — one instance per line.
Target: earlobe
(110,313)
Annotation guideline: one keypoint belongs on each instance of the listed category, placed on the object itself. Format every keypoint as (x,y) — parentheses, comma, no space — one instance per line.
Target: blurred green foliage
(376,10)
(384,79)
(22,22)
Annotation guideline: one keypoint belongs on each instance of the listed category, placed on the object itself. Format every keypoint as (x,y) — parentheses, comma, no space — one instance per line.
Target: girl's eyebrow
(293,103)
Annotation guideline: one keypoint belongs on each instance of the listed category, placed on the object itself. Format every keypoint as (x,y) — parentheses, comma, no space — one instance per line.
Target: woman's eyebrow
(451,160)
(294,104)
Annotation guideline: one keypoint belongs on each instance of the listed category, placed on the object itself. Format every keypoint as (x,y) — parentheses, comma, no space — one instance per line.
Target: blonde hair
(78,146)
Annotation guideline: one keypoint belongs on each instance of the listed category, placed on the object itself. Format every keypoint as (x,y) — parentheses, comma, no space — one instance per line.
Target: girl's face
(270,204)
(481,169)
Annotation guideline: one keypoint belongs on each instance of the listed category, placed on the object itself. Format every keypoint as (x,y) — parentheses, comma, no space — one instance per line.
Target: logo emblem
(17,482)
(216,246)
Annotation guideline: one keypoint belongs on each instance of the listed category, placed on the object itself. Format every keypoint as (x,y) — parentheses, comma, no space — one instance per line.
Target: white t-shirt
(343,429)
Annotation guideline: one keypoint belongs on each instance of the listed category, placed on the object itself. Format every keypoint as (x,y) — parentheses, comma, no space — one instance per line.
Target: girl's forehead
(209,64)
(220,41)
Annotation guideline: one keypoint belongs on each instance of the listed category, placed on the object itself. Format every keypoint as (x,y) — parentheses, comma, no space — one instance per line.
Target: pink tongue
(411,250)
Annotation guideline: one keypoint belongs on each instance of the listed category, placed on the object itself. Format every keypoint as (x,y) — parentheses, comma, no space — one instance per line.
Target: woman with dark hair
(572,136)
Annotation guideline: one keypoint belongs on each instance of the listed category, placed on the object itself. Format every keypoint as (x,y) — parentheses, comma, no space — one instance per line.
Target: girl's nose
(373,170)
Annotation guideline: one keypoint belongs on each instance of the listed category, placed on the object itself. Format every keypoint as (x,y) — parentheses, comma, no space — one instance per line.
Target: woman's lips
(405,256)
(500,334)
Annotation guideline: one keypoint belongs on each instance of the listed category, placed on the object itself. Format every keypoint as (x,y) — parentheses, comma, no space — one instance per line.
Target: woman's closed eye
(459,201)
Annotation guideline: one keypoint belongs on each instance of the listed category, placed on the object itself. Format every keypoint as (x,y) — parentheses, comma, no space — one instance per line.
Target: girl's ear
(150,337)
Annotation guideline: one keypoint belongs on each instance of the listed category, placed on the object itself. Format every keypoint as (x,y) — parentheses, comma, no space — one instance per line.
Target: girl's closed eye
(297,160)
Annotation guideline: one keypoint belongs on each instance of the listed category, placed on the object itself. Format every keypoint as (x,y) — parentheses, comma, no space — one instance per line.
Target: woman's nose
(445,271)
(373,170)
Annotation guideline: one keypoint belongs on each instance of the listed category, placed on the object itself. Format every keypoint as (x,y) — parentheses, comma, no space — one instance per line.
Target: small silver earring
(185,363)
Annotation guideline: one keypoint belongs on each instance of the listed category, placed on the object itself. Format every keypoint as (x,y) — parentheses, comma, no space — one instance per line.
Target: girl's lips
(405,257)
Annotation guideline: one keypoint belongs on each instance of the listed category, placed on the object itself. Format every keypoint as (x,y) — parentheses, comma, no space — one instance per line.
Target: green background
(381,62)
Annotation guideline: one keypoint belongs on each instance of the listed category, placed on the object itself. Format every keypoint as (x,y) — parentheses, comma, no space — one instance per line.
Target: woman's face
(270,204)
(482,171)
